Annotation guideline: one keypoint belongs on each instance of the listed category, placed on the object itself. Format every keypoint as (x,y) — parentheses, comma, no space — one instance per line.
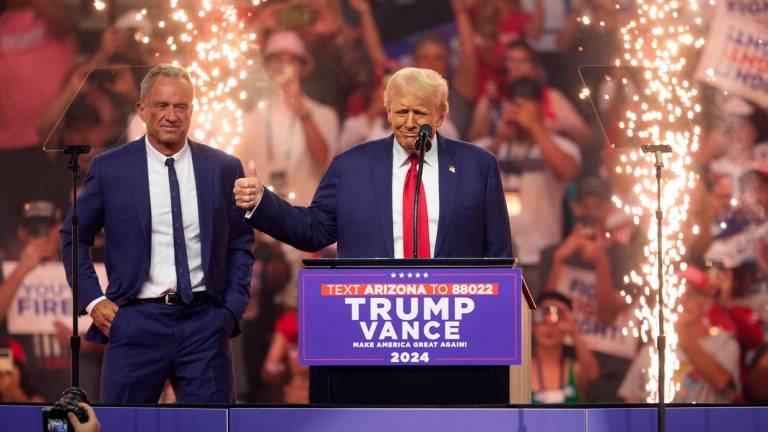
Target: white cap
(287,41)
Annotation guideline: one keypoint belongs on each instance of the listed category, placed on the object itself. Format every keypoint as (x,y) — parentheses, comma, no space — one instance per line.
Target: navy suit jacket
(353,205)
(116,197)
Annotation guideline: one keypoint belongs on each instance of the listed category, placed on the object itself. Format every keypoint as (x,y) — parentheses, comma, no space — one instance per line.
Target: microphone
(424,138)
(423,144)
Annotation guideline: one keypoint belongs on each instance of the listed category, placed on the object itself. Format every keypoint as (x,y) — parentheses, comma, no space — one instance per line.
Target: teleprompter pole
(74,153)
(658,151)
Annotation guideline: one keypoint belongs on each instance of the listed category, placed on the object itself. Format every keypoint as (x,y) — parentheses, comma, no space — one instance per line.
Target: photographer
(520,60)
(92,425)
(37,242)
(588,266)
(291,134)
(555,376)
(536,165)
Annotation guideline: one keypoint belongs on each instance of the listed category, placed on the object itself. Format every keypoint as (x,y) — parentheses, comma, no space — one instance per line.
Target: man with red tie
(364,202)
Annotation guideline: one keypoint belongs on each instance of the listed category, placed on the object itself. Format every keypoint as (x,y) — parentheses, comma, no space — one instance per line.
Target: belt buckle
(171,299)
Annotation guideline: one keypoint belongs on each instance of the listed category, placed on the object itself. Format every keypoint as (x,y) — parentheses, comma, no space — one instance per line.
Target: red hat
(17,350)
(697,279)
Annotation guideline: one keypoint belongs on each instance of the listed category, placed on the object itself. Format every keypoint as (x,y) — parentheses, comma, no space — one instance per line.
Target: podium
(484,309)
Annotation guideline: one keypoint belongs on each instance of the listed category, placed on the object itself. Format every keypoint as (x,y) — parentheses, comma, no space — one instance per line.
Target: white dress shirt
(162,268)
(431,182)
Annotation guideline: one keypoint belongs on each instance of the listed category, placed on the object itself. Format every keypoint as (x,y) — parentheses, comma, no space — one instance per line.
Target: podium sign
(410,316)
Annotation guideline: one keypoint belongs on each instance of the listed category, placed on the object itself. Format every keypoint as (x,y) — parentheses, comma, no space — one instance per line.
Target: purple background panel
(405,420)
(162,419)
(298,419)
(716,419)
(20,418)
(679,419)
(491,333)
(125,419)
(623,420)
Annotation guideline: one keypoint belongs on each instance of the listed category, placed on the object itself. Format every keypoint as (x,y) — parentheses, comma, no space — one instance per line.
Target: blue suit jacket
(116,198)
(353,205)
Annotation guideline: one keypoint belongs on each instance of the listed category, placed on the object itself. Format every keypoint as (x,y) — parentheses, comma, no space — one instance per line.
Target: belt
(172,298)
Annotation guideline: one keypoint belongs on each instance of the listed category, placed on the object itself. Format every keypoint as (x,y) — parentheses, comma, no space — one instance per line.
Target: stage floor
(333,419)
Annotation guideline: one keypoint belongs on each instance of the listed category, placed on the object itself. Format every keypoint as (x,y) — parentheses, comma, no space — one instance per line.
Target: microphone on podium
(424,139)
(423,144)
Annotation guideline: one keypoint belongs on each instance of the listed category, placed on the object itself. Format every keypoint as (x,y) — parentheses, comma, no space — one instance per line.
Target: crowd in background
(512,68)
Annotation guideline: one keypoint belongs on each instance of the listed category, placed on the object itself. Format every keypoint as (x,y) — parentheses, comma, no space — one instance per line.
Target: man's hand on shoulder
(103,314)
(248,192)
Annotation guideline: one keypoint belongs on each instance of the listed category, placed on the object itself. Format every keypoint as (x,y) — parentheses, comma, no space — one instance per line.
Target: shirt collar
(430,157)
(156,156)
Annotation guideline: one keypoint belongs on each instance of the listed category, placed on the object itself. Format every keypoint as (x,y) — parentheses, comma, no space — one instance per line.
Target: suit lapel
(138,179)
(381,175)
(448,177)
(204,186)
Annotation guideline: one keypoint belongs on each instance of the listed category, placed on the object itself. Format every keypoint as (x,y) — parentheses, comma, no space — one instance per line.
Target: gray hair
(165,70)
(421,82)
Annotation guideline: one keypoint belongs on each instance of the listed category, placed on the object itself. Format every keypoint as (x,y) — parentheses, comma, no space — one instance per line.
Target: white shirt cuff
(93,304)
(250,212)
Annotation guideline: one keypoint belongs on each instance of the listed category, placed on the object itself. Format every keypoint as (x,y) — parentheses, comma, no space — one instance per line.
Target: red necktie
(409,191)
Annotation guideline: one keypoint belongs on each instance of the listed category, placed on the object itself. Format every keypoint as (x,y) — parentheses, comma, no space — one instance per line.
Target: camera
(55,417)
(38,229)
(548,314)
(588,226)
(39,217)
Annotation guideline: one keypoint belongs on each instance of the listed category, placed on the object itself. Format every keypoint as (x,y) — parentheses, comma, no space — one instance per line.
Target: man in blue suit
(364,202)
(178,256)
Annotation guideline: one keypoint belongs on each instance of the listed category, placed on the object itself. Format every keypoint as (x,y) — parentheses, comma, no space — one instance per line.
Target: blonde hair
(165,70)
(422,83)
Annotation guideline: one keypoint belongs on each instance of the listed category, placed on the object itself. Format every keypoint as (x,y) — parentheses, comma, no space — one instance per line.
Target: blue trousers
(150,343)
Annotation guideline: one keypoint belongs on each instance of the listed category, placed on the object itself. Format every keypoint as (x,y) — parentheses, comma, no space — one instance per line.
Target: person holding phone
(37,242)
(588,266)
(536,164)
(555,376)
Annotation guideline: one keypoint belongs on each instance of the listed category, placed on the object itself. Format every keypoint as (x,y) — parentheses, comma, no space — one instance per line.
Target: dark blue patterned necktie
(183,283)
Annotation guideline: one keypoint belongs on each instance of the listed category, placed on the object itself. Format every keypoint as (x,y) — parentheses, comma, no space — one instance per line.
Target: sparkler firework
(657,40)
(212,42)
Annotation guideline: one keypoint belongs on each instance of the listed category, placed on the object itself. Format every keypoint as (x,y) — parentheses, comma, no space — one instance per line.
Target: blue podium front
(421,332)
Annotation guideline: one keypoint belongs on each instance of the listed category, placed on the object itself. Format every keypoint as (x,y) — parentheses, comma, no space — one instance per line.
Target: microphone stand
(420,171)
(74,153)
(661,342)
